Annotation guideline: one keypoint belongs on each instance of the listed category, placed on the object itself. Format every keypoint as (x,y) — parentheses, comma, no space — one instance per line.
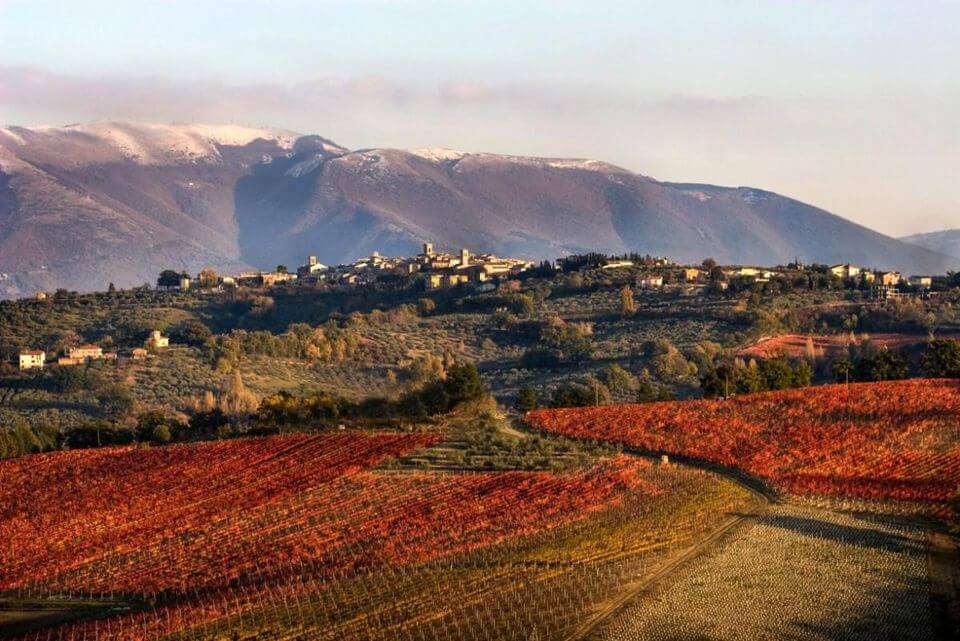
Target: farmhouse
(890,279)
(32,359)
(845,270)
(139,354)
(88,351)
(157,340)
(921,281)
(693,274)
(650,282)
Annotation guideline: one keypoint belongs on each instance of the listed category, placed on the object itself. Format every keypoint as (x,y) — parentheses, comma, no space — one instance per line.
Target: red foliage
(897,440)
(215,529)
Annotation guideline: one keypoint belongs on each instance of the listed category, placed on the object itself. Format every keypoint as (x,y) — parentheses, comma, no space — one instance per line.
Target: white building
(157,340)
(32,359)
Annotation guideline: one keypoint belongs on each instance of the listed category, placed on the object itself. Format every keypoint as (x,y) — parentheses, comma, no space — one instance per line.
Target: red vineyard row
(897,440)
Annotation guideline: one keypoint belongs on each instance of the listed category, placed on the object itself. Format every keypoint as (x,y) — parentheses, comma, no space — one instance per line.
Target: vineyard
(891,441)
(303,535)
(871,583)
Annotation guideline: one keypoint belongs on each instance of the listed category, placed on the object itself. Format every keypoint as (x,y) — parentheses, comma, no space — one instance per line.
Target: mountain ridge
(946,241)
(84,205)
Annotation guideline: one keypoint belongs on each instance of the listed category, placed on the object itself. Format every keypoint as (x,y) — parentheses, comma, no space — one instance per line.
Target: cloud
(32,90)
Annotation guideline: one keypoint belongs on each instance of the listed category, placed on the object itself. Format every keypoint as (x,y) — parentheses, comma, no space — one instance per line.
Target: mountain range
(85,205)
(945,242)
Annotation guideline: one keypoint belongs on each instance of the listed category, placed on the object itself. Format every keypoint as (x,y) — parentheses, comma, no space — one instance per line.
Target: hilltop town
(433,270)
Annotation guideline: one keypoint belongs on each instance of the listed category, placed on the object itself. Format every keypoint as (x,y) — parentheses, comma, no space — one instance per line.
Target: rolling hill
(85,205)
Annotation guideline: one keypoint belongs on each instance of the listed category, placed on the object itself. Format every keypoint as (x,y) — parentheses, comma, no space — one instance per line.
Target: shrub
(942,359)
(539,358)
(527,399)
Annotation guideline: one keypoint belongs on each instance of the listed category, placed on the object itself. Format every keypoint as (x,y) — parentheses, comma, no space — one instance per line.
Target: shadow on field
(896,613)
(849,535)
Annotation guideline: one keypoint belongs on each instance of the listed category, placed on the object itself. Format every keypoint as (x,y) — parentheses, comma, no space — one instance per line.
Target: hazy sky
(851,106)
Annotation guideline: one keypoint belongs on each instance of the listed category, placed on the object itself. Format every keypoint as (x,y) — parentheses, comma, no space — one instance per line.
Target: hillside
(84,205)
(945,242)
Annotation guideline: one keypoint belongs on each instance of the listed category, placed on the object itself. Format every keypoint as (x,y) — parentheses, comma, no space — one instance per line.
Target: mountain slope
(946,242)
(84,205)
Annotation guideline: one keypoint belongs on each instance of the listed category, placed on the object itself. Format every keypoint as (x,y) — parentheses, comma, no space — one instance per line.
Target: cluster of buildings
(437,270)
(37,359)
(885,284)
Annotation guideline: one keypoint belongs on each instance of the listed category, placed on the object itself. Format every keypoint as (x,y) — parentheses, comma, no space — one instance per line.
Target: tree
(527,399)
(168,278)
(618,379)
(842,370)
(580,395)
(147,422)
(720,381)
(749,380)
(802,374)
(777,373)
(884,365)
(75,378)
(115,401)
(208,278)
(708,264)
(111,289)
(193,332)
(463,383)
(627,305)
(235,399)
(208,422)
(942,359)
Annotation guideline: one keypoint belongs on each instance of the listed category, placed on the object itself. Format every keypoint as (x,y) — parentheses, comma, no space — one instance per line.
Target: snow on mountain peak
(439,154)
(157,144)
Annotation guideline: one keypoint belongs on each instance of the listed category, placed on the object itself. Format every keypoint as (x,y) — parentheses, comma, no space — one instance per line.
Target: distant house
(139,354)
(693,274)
(868,276)
(312,267)
(617,264)
(32,359)
(157,340)
(845,270)
(86,352)
(66,361)
(650,282)
(185,282)
(921,281)
(890,279)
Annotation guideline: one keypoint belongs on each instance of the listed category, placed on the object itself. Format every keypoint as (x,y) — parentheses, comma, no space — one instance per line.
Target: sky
(850,106)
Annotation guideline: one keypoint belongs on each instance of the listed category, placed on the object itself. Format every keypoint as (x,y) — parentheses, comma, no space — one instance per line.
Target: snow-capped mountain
(85,205)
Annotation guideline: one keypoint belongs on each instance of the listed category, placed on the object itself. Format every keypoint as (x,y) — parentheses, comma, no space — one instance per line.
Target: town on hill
(485,273)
